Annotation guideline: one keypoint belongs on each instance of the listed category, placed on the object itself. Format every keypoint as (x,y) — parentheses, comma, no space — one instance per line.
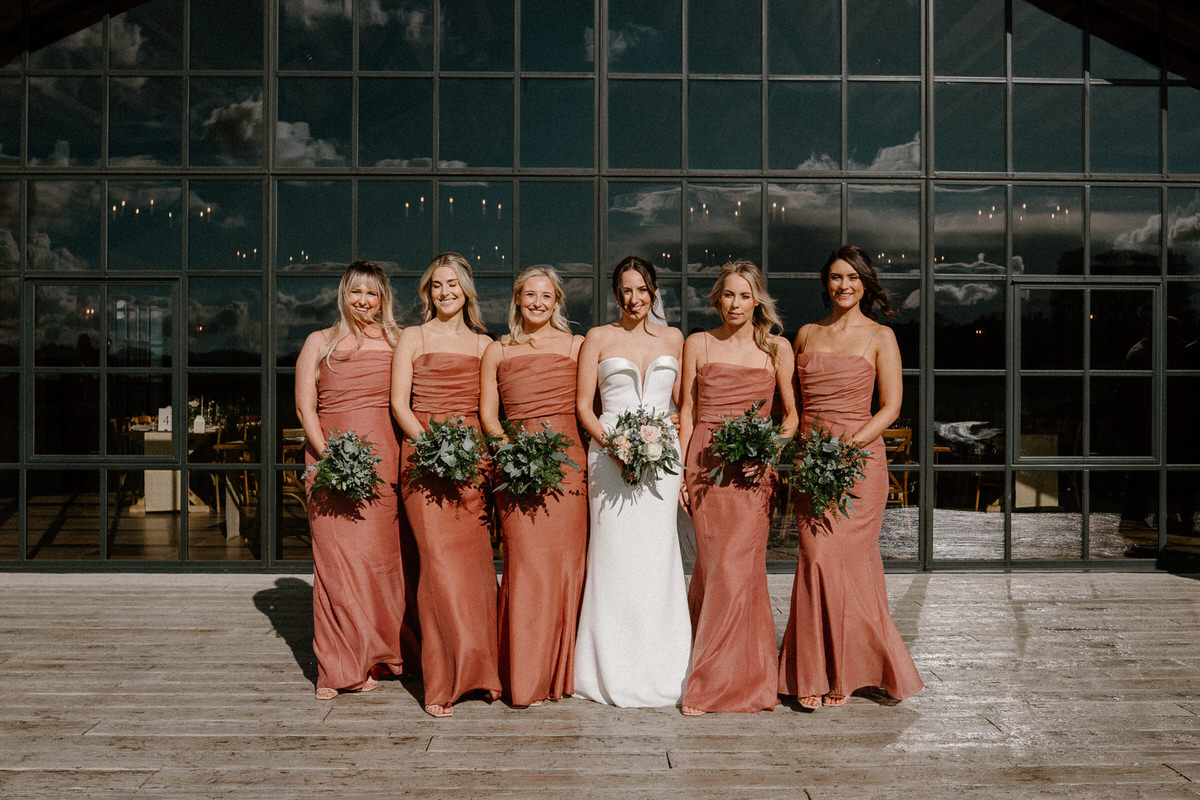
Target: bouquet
(450,449)
(745,439)
(644,442)
(347,466)
(828,469)
(532,463)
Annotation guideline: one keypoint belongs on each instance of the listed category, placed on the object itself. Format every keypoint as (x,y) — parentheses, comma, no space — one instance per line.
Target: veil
(657,311)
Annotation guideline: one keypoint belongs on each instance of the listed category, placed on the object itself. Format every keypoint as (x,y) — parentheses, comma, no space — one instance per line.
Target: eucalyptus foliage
(347,466)
(450,449)
(828,470)
(745,439)
(644,442)
(531,462)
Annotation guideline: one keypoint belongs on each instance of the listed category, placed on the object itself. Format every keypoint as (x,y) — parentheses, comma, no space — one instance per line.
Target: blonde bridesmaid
(725,371)
(532,374)
(435,375)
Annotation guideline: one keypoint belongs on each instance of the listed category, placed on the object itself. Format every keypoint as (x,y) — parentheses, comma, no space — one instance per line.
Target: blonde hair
(765,319)
(462,271)
(516,322)
(348,324)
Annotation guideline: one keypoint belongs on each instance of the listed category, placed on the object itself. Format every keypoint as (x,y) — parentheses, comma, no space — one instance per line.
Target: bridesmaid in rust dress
(364,560)
(435,375)
(840,636)
(725,370)
(532,373)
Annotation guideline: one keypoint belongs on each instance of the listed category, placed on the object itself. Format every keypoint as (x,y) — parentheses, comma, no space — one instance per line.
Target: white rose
(653,451)
(623,454)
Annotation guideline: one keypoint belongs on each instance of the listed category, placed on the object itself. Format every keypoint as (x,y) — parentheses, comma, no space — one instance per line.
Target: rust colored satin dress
(734,662)
(364,558)
(456,595)
(545,539)
(840,636)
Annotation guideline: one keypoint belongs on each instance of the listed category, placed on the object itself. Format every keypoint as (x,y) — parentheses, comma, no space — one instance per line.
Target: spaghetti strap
(863,354)
(704,336)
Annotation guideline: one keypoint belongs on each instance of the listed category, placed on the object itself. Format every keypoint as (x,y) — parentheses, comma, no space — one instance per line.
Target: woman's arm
(489,390)
(402,373)
(585,387)
(785,374)
(890,377)
(306,391)
(687,407)
(676,341)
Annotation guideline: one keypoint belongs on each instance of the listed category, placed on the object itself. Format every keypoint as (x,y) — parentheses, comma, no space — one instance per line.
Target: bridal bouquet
(531,463)
(347,466)
(450,449)
(828,469)
(745,439)
(644,442)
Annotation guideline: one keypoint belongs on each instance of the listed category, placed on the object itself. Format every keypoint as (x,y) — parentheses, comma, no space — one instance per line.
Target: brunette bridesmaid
(531,372)
(364,560)
(725,371)
(435,375)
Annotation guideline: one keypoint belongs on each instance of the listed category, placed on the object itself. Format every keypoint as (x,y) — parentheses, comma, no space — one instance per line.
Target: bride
(634,635)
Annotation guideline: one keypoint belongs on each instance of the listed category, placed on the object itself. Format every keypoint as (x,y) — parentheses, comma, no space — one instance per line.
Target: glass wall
(181,184)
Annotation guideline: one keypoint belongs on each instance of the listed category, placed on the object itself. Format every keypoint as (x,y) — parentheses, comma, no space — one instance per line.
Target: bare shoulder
(802,335)
(883,334)
(694,340)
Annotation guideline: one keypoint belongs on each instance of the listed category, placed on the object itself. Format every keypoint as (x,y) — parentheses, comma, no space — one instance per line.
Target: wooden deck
(200,686)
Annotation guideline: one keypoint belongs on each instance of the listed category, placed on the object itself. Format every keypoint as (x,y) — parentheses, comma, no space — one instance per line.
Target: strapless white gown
(635,636)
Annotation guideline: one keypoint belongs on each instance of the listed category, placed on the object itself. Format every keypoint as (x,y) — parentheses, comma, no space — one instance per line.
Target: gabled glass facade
(182,182)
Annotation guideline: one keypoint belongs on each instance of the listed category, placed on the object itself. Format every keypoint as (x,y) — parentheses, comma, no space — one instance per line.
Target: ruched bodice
(835,388)
(537,385)
(361,381)
(724,389)
(445,384)
(623,387)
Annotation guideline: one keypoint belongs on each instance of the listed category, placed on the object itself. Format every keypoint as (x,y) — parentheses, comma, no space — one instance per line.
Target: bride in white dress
(634,636)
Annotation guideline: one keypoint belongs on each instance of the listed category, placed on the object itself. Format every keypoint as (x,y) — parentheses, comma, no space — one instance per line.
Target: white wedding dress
(635,635)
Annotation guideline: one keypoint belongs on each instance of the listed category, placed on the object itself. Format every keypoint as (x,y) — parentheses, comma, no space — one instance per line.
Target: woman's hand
(685,498)
(752,470)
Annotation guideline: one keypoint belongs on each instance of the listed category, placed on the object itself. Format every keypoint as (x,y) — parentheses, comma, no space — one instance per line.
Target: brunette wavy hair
(875,297)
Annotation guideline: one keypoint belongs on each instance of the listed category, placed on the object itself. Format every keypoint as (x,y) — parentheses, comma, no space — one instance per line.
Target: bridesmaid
(725,370)
(364,563)
(840,636)
(435,375)
(532,373)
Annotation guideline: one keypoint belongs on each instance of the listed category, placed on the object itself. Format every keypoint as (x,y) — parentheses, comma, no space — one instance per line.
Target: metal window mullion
(684,157)
(844,108)
(268,517)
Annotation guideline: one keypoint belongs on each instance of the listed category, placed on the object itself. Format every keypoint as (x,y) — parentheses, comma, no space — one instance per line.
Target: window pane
(896,53)
(395,223)
(579,293)
(968,37)
(66,414)
(10,406)
(476,221)
(1110,61)
(804,125)
(904,294)
(495,295)
(225,322)
(557,123)
(10,521)
(223,516)
(653,139)
(66,326)
(314,122)
(1051,418)
(724,146)
(558,35)
(1047,128)
(292,536)
(1047,230)
(1123,518)
(10,122)
(898,534)
(1125,129)
(1052,329)
(969,127)
(226,127)
(1183,129)
(644,37)
(1182,444)
(724,37)
(63,225)
(558,225)
(10,322)
(968,428)
(62,510)
(1045,46)
(396,34)
(1125,230)
(302,305)
(314,35)
(463,103)
(133,404)
(701,315)
(1182,543)
(64,121)
(1121,324)
(231,409)
(724,224)
(883,126)
(804,225)
(643,219)
(61,41)
(969,324)
(477,36)
(10,225)
(1122,416)
(225,227)
(969,230)
(968,522)
(227,34)
(134,535)
(147,36)
(798,301)
(1183,231)
(395,122)
(1046,522)
(139,326)
(885,221)
(804,37)
(144,226)
(314,224)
